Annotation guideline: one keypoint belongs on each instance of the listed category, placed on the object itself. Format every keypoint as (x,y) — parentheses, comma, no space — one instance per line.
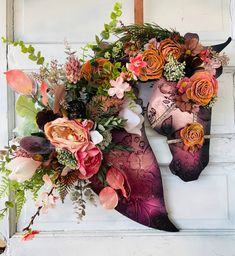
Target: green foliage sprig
(30,50)
(142,33)
(105,33)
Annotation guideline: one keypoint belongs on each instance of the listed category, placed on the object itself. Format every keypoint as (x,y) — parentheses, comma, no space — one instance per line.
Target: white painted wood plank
(207,203)
(127,244)
(211,19)
(4,225)
(77,21)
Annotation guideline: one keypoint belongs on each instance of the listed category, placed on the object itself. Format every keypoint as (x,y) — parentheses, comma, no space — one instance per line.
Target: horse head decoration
(145,203)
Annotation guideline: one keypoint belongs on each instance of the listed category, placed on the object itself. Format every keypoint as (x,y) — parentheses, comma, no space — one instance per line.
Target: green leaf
(26,128)
(40,61)
(25,107)
(32,57)
(24,49)
(113,16)
(106,27)
(9,204)
(105,34)
(97,40)
(119,13)
(31,49)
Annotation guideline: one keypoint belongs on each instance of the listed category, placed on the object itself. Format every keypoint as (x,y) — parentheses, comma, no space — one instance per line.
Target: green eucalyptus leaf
(24,49)
(40,61)
(26,128)
(31,49)
(9,204)
(32,57)
(105,35)
(25,107)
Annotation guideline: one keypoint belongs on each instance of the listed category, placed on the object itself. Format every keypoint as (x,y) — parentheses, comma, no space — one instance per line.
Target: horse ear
(219,47)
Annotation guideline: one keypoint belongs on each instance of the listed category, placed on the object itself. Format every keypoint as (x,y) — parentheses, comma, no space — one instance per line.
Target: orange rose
(155,65)
(168,47)
(192,136)
(202,89)
(102,70)
(86,70)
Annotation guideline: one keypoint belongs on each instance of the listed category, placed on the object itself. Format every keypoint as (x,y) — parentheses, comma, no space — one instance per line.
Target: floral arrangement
(70,111)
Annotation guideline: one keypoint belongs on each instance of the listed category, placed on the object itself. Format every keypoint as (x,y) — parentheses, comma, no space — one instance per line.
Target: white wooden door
(204,209)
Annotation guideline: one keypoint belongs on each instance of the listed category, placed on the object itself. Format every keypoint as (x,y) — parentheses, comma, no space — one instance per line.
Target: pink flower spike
(108,198)
(118,88)
(136,64)
(28,235)
(116,180)
(43,89)
(20,82)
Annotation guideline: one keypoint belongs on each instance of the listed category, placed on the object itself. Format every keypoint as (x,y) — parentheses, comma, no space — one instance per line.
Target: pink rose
(89,161)
(68,134)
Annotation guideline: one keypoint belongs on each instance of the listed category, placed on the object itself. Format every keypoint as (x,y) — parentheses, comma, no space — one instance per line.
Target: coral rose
(89,160)
(203,88)
(155,65)
(68,134)
(168,47)
(192,136)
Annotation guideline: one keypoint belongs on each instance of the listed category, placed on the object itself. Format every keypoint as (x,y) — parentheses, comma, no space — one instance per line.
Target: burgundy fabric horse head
(168,120)
(145,203)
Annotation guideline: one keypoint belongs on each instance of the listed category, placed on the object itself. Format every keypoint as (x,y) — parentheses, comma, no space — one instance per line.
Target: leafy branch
(30,50)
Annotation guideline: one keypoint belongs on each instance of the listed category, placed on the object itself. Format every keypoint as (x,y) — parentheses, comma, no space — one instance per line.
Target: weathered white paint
(3,101)
(208,217)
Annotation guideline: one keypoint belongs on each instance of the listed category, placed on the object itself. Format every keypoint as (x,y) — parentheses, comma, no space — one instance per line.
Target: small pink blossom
(212,65)
(29,234)
(204,55)
(118,88)
(136,64)
(152,44)
(183,85)
(46,201)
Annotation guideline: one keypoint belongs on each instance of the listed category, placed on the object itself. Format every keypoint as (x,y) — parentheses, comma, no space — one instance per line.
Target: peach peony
(69,134)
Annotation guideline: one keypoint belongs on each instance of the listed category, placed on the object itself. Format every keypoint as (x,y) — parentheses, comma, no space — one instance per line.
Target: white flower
(96,137)
(132,113)
(22,168)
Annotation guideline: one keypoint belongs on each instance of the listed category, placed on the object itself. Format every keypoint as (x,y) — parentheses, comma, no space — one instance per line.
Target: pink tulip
(22,168)
(116,180)
(43,89)
(20,82)
(108,198)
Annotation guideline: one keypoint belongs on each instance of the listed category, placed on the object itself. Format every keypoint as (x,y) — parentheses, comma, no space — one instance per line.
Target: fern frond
(66,183)
(20,200)
(4,188)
